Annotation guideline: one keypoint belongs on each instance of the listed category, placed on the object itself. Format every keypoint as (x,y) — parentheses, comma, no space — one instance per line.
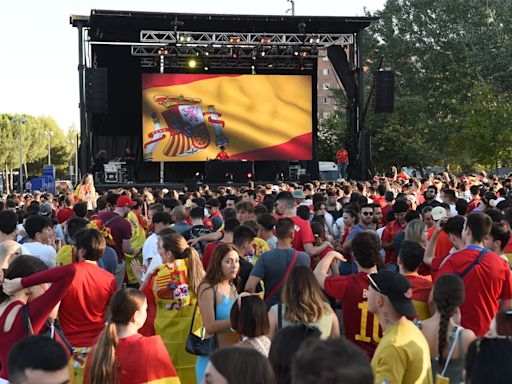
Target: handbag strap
(473,264)
(26,320)
(452,348)
(214,310)
(279,316)
(280,284)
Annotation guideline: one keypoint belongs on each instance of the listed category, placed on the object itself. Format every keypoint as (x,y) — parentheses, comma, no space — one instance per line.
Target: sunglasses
(374,284)
(367,213)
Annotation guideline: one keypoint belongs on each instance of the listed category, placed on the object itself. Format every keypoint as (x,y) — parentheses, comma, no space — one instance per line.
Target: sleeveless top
(455,366)
(324,324)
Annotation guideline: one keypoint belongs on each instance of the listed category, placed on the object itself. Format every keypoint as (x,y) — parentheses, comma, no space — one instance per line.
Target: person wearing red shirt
(25,286)
(486,276)
(342,157)
(446,238)
(229,228)
(222,155)
(65,213)
(83,307)
(392,228)
(475,198)
(303,239)
(389,198)
(409,260)
(361,327)
(116,357)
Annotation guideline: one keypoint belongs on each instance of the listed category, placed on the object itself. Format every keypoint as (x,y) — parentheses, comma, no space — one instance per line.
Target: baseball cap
(45,209)
(396,288)
(298,194)
(125,201)
(439,213)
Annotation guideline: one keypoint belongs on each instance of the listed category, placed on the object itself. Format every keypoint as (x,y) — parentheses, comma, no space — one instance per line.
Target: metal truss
(226,51)
(234,39)
(233,50)
(211,63)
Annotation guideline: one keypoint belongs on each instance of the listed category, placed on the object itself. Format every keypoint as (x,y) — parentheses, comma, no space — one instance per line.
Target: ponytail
(196,271)
(180,249)
(448,296)
(123,306)
(104,367)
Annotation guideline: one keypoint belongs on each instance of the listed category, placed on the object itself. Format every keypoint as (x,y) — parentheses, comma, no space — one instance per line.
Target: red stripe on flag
(298,148)
(151,80)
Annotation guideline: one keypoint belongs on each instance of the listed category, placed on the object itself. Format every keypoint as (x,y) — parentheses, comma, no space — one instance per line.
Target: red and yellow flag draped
(187,117)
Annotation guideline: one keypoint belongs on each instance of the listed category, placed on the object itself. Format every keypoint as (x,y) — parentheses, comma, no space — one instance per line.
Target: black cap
(397,289)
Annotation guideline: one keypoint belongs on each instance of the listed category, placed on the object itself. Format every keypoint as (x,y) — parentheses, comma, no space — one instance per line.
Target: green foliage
(34,144)
(453,81)
(333,130)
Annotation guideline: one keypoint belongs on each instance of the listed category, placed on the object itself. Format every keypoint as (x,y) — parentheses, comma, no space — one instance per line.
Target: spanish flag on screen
(187,117)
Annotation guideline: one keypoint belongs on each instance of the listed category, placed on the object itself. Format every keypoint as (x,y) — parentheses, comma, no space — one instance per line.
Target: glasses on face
(373,284)
(367,213)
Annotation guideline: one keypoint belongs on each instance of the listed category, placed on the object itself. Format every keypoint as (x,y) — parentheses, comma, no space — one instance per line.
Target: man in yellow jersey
(402,355)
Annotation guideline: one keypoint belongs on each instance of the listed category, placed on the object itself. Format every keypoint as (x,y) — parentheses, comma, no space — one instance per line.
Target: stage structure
(174,87)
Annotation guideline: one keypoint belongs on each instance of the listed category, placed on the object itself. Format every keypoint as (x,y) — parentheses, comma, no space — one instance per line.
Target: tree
(443,51)
(332,131)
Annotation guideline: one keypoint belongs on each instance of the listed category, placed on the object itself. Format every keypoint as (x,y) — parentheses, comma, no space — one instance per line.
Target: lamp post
(50,135)
(20,120)
(75,145)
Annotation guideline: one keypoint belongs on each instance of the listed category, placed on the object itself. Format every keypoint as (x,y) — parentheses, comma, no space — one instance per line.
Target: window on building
(325,71)
(326,86)
(327,100)
(326,115)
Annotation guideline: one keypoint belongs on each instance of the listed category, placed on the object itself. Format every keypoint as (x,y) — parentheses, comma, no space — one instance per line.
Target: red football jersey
(361,326)
(487,282)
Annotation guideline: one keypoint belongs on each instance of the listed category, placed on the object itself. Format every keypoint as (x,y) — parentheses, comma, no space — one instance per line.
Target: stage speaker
(384,86)
(96,90)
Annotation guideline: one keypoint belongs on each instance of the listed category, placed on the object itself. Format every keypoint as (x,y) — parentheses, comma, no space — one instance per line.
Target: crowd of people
(392,280)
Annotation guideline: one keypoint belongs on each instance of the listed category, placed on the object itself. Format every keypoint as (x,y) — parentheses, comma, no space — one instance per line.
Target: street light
(50,135)
(75,143)
(20,120)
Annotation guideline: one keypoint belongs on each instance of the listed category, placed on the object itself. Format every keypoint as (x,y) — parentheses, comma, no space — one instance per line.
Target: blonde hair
(303,296)
(180,249)
(414,230)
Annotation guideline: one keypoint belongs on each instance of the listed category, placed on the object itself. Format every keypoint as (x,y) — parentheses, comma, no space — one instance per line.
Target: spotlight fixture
(206,68)
(192,63)
(234,39)
(266,41)
(314,40)
(163,52)
(185,38)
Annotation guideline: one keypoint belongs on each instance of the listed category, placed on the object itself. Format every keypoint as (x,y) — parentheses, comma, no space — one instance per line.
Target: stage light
(234,40)
(314,40)
(296,53)
(206,68)
(249,175)
(266,41)
(163,52)
(192,63)
(304,54)
(185,38)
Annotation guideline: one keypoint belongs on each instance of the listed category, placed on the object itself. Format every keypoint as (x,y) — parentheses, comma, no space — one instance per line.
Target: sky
(39,58)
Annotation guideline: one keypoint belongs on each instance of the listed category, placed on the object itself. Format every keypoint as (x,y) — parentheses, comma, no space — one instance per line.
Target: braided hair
(448,296)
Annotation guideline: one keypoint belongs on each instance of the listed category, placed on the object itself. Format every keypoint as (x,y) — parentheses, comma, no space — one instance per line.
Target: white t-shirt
(42,251)
(150,248)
